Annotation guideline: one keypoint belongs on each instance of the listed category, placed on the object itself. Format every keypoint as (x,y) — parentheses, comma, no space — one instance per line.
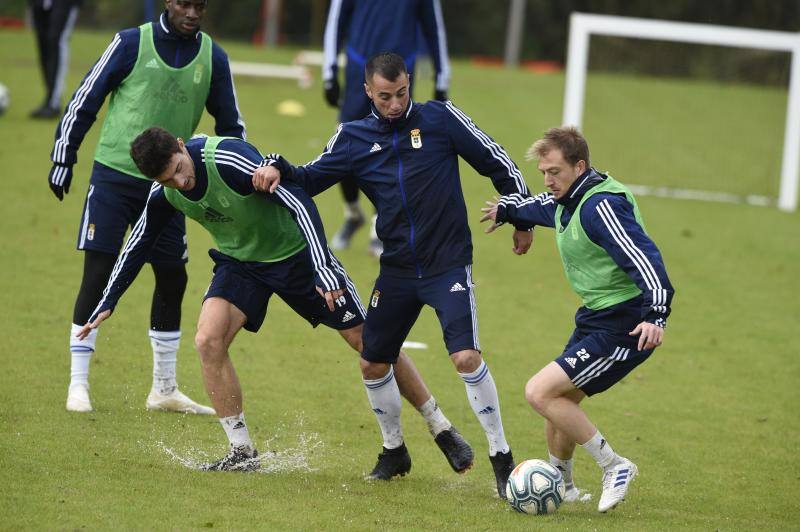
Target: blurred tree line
(478,27)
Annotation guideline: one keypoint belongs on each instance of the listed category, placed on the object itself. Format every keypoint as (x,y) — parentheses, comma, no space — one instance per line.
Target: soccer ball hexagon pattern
(535,487)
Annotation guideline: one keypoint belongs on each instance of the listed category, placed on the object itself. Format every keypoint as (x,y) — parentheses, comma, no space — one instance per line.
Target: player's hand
(490,213)
(59,179)
(522,241)
(332,91)
(266,179)
(440,96)
(650,335)
(334,296)
(86,329)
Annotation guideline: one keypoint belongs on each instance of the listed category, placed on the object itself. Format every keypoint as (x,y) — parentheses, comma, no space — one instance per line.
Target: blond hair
(567,139)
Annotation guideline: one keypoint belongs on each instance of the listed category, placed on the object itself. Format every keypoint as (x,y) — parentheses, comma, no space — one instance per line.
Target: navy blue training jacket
(609,222)
(367,27)
(114,66)
(408,168)
(236,160)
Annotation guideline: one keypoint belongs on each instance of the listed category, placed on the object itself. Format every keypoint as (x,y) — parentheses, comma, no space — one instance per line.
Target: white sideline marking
(701,195)
(269,70)
(414,345)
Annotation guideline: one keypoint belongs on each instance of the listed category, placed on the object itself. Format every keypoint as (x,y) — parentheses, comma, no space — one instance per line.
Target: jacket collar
(164,30)
(386,124)
(585,181)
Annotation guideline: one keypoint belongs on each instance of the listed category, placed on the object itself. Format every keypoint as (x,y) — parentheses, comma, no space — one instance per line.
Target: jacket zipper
(405,204)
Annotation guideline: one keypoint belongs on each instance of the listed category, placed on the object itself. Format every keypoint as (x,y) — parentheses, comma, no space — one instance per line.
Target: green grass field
(710,419)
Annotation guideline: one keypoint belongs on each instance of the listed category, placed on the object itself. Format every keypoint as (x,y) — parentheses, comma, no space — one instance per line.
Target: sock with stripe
(165,355)
(236,430)
(482,395)
(600,450)
(81,351)
(565,466)
(434,417)
(384,397)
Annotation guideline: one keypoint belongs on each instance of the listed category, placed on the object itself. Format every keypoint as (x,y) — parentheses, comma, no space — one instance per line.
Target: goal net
(690,139)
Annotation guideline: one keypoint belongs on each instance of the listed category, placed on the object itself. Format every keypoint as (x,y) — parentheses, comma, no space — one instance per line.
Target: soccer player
(618,272)
(262,251)
(363,28)
(162,73)
(53,21)
(404,156)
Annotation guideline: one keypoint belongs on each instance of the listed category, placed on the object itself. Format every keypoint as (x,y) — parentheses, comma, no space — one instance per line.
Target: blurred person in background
(53,21)
(362,28)
(162,73)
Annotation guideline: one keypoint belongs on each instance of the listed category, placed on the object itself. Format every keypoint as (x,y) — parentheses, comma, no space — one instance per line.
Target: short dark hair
(387,64)
(568,140)
(152,151)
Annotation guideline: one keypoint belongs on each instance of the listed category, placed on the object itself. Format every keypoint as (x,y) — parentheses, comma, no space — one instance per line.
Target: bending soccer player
(162,73)
(268,244)
(404,156)
(618,272)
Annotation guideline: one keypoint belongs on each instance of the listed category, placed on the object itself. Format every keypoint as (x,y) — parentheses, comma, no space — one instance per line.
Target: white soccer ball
(5,98)
(535,487)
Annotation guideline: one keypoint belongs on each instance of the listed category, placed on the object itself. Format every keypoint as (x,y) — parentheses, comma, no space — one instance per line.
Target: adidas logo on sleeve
(375,147)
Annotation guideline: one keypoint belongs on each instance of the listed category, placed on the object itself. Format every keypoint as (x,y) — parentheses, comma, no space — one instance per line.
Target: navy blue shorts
(114,203)
(249,285)
(600,353)
(396,303)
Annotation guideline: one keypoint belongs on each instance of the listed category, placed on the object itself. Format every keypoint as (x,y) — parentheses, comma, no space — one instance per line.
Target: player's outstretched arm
(86,329)
(522,238)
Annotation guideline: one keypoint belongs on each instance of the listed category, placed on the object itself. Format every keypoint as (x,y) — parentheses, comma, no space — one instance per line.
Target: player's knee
(535,395)
(373,370)
(210,347)
(466,361)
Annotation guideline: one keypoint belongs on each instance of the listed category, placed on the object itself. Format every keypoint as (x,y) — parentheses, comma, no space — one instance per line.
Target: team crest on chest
(416,139)
(375,296)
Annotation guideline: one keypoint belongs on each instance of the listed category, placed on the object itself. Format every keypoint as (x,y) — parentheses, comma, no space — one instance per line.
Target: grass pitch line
(701,195)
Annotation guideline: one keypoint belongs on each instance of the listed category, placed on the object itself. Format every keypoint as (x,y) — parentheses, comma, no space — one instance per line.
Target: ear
(367,90)
(581,166)
(181,144)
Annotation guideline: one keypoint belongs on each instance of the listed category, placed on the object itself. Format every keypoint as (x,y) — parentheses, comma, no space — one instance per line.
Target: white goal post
(583,25)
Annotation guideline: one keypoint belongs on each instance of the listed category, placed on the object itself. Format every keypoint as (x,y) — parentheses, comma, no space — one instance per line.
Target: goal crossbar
(583,25)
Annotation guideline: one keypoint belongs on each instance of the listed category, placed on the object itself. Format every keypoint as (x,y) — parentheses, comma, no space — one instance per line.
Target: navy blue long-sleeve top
(366,27)
(236,160)
(117,63)
(408,168)
(609,222)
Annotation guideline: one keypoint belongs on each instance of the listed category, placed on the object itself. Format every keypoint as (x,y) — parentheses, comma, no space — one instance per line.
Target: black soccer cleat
(238,459)
(503,465)
(456,449)
(391,462)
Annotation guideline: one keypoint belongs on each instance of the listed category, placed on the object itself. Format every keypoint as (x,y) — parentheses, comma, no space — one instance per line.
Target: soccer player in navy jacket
(404,156)
(362,28)
(268,244)
(618,272)
(162,73)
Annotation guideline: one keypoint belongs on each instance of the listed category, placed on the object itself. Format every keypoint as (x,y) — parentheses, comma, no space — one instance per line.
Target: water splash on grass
(287,449)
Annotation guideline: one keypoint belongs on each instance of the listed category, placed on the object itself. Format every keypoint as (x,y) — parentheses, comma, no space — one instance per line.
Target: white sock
(236,430)
(565,466)
(482,395)
(384,397)
(373,230)
(82,351)
(165,355)
(352,210)
(434,417)
(600,450)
